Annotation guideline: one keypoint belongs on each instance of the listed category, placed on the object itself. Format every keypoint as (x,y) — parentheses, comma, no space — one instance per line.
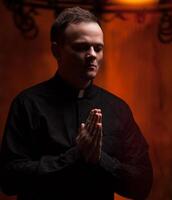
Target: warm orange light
(137,2)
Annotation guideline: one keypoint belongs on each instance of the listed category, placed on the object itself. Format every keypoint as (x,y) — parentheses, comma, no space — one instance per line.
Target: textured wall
(137,67)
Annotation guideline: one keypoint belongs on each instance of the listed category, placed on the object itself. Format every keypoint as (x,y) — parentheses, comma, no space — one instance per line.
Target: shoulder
(35,90)
(112,100)
(31,94)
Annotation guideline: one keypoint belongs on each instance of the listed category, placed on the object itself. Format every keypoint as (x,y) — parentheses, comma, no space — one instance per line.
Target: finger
(99,118)
(97,110)
(92,126)
(89,119)
(93,119)
(89,116)
(93,111)
(96,137)
(96,119)
(81,132)
(82,128)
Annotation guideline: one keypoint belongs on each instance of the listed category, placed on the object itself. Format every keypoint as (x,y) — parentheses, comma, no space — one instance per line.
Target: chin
(91,75)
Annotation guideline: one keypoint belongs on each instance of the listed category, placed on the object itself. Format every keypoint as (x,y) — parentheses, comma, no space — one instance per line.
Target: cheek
(76,61)
(73,59)
(70,56)
(75,56)
(100,59)
(78,56)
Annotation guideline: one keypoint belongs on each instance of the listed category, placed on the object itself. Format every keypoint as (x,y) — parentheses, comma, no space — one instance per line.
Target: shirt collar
(70,92)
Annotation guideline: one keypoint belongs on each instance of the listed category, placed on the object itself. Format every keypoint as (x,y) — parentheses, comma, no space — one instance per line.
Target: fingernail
(82,125)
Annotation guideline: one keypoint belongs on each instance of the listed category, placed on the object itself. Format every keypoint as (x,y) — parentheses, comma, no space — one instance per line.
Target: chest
(56,126)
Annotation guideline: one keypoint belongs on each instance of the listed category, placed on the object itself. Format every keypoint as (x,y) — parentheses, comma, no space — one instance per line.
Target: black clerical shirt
(39,156)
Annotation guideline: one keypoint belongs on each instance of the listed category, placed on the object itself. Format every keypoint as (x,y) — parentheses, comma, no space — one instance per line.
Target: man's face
(82,52)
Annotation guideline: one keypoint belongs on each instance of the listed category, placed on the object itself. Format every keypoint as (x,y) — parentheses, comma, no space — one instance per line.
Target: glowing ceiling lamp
(137,2)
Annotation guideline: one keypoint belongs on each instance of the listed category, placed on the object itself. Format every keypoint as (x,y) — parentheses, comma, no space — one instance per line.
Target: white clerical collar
(81,93)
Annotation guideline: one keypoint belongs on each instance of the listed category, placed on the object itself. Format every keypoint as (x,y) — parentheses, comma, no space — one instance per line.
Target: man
(69,139)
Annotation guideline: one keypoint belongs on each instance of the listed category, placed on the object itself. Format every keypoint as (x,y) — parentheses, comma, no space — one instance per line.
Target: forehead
(84,32)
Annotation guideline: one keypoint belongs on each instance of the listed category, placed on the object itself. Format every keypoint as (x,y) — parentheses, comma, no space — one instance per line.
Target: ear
(55,50)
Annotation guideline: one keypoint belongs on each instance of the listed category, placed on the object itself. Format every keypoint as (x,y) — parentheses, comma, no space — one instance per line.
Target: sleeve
(18,168)
(133,176)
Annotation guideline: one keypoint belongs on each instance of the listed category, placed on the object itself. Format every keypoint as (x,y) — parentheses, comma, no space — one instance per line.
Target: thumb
(82,126)
(80,131)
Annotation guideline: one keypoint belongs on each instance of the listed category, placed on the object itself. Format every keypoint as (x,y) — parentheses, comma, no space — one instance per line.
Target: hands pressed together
(89,139)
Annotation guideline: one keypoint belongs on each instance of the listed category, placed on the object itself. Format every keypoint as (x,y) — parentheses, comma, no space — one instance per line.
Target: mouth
(91,66)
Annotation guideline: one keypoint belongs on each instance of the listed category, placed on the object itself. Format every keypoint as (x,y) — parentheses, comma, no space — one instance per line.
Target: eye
(81,47)
(98,48)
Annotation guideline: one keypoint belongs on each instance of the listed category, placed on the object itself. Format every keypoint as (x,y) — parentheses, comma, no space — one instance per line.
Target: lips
(91,66)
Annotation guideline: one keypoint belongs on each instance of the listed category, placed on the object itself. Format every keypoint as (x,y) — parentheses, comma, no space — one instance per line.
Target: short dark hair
(68,16)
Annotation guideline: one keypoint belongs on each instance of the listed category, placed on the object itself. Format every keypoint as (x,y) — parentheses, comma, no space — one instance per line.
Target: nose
(91,53)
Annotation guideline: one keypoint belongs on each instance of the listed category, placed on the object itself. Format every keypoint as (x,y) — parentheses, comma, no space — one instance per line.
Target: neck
(75,82)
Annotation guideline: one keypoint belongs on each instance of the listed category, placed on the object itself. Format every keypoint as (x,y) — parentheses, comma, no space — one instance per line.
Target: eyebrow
(89,43)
